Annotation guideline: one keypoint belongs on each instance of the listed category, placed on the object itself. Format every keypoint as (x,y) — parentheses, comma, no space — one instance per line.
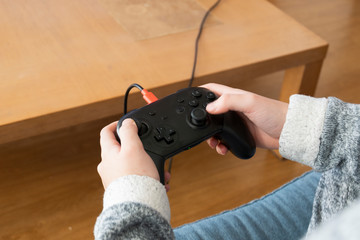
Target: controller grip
(159,163)
(237,137)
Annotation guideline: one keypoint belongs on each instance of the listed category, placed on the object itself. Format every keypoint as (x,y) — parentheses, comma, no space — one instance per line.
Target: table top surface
(66,54)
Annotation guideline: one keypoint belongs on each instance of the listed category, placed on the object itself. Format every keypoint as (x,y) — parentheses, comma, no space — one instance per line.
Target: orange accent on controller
(149,97)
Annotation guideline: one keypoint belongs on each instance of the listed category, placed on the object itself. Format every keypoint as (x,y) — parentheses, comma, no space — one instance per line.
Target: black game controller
(179,122)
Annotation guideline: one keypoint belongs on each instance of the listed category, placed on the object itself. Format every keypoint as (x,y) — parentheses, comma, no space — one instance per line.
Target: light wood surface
(49,185)
(301,79)
(63,63)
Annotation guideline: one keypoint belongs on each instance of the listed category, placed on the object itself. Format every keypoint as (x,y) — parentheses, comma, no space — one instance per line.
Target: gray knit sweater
(135,207)
(322,133)
(325,135)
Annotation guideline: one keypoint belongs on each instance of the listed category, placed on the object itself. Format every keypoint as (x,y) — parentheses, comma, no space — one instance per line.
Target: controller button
(194,103)
(198,117)
(180,109)
(196,93)
(180,100)
(142,129)
(164,117)
(152,113)
(210,96)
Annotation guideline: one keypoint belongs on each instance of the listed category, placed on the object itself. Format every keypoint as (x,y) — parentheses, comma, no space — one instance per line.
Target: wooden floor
(50,188)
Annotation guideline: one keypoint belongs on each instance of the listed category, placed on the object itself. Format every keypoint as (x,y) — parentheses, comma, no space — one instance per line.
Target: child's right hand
(265,117)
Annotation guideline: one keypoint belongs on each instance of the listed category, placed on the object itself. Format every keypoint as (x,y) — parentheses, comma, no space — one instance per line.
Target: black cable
(195,57)
(127,94)
(198,38)
(193,70)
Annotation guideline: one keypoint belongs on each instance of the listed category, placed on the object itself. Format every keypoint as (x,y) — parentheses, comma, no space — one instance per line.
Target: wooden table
(63,63)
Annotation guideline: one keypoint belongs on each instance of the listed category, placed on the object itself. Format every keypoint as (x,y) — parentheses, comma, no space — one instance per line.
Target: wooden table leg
(302,80)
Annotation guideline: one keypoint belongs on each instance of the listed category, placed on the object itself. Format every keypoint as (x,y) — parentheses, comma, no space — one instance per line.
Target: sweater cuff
(301,134)
(139,189)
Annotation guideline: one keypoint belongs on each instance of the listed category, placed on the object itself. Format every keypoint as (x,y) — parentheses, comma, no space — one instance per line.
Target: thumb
(129,135)
(227,102)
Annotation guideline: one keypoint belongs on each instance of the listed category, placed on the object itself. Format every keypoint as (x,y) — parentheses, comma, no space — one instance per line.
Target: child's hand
(265,117)
(128,159)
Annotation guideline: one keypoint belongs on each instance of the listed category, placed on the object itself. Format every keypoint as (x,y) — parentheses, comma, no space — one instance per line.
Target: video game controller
(179,122)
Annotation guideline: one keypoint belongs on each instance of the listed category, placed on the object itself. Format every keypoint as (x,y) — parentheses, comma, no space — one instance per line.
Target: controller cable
(198,38)
(149,97)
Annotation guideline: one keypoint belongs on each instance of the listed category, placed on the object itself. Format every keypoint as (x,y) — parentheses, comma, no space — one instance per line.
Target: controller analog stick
(142,128)
(198,117)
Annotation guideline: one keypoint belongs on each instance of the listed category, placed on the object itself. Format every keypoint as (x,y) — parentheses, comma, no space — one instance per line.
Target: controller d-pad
(162,133)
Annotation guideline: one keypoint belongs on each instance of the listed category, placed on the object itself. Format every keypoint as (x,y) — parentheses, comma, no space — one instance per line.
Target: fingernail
(223,151)
(128,122)
(210,107)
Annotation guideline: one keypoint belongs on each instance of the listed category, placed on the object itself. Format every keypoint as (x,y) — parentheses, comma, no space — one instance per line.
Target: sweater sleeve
(321,133)
(301,134)
(325,135)
(135,207)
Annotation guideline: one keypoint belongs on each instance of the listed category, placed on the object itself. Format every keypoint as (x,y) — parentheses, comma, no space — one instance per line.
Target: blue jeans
(282,214)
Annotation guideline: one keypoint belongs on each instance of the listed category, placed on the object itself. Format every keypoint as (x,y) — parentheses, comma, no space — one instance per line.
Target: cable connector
(149,97)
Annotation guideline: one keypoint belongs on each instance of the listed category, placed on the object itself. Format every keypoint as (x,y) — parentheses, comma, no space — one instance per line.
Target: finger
(107,136)
(212,142)
(234,102)
(167,180)
(167,187)
(220,89)
(167,176)
(230,99)
(129,135)
(215,144)
(221,149)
